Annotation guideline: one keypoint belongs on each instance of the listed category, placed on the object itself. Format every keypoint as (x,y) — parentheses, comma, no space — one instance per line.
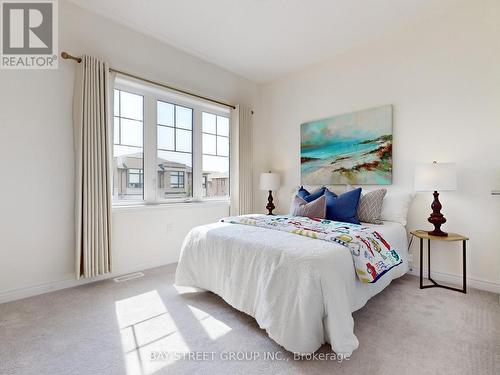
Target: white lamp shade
(269,181)
(436,177)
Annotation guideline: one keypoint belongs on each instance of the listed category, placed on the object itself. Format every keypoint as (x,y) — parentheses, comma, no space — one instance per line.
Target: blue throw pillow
(343,207)
(309,197)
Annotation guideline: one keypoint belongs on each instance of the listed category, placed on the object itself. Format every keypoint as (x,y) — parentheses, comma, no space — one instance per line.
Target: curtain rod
(67,56)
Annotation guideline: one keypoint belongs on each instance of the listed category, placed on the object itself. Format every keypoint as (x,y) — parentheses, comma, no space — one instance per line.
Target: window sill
(170,205)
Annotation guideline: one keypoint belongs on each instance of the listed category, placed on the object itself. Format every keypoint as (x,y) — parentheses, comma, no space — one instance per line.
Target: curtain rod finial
(66,56)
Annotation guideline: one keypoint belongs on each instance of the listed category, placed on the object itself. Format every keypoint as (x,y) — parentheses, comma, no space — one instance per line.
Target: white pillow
(396,205)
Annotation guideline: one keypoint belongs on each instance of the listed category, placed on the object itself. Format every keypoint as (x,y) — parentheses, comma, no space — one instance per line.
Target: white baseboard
(12,295)
(448,278)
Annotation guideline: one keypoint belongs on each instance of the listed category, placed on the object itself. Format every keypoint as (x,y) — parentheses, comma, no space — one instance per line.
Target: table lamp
(436,177)
(270,182)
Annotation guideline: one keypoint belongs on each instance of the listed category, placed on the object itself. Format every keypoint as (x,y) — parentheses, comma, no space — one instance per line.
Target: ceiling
(264,40)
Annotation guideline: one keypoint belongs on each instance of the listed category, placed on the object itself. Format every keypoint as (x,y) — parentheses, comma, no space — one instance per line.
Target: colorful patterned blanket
(371,254)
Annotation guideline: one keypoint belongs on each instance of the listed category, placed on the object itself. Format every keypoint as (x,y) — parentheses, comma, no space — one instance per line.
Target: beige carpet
(111,328)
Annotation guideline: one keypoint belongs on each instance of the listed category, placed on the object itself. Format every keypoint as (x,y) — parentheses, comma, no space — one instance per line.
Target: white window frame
(151,94)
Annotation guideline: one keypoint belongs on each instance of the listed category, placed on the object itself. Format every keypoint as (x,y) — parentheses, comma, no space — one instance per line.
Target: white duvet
(302,291)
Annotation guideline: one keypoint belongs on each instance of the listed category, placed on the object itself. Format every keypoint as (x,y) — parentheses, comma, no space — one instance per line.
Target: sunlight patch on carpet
(146,328)
(212,326)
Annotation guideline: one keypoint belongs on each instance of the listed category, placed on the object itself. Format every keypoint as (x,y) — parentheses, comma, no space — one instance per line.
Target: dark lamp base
(437,218)
(439,233)
(270,206)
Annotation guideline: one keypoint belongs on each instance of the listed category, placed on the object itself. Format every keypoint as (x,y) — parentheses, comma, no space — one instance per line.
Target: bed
(301,290)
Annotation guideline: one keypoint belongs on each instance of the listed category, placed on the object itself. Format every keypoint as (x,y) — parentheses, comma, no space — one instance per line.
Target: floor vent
(128,277)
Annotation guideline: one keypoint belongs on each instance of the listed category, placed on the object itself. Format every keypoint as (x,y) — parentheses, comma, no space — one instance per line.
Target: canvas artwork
(353,148)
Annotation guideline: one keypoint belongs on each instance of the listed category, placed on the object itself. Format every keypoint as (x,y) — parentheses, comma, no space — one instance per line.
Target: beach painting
(353,148)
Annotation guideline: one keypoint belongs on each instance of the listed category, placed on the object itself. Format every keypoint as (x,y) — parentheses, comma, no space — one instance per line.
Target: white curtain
(92,141)
(241,161)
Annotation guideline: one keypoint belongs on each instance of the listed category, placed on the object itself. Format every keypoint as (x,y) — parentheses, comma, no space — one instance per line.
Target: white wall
(36,157)
(443,78)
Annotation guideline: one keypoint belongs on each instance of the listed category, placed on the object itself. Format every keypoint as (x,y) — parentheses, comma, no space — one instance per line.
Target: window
(135,178)
(174,149)
(128,180)
(215,131)
(168,147)
(177,180)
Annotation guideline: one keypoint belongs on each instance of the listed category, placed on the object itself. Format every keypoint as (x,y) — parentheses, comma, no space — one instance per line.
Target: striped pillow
(370,206)
(316,208)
